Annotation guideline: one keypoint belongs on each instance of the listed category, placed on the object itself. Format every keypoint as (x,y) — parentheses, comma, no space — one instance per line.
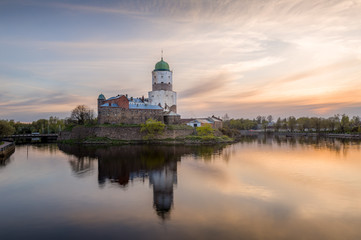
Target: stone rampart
(128,116)
(118,133)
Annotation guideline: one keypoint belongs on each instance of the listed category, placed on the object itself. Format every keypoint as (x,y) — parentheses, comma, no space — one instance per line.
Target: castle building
(160,105)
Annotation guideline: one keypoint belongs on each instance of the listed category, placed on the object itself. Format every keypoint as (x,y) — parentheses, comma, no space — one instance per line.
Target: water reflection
(260,188)
(120,165)
(337,145)
(4,161)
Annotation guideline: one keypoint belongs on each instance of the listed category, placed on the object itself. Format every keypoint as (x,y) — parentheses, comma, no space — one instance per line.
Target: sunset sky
(244,58)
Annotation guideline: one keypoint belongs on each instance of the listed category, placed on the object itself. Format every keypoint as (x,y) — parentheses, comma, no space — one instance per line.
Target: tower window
(162,76)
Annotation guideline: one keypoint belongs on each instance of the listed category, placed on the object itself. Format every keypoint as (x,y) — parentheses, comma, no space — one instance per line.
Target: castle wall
(128,116)
(118,133)
(172,119)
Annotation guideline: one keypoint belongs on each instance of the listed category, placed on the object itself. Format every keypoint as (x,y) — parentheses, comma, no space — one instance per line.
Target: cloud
(277,56)
(208,86)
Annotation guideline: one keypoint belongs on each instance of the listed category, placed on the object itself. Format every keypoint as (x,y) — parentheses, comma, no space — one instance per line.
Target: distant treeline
(336,124)
(80,115)
(51,125)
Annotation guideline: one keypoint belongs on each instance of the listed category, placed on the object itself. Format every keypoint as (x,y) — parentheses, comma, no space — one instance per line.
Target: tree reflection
(4,161)
(336,145)
(123,164)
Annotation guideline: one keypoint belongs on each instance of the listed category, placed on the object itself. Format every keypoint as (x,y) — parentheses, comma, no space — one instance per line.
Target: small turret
(101,100)
(101,97)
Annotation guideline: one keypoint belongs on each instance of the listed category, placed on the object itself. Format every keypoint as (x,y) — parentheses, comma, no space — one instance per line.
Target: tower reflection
(128,163)
(120,165)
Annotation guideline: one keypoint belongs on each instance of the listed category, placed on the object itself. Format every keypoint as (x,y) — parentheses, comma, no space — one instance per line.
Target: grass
(178,127)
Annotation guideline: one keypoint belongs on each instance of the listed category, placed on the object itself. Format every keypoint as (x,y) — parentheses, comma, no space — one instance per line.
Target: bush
(152,128)
(205,130)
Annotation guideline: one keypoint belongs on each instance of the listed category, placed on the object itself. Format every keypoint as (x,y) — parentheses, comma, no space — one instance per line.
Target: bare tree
(269,118)
(82,115)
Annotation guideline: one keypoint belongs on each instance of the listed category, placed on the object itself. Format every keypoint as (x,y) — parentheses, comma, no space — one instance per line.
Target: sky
(244,58)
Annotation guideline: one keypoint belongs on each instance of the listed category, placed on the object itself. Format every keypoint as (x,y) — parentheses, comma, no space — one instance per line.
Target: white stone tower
(162,93)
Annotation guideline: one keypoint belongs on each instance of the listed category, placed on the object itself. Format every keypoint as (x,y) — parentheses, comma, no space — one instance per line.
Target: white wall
(162,76)
(162,97)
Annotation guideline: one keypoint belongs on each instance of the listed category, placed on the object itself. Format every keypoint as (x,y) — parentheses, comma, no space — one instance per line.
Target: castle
(160,105)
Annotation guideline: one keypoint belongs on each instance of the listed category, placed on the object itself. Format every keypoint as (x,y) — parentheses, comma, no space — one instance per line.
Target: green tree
(205,130)
(6,128)
(284,124)
(291,123)
(278,124)
(333,123)
(152,128)
(264,124)
(303,123)
(316,123)
(355,124)
(345,123)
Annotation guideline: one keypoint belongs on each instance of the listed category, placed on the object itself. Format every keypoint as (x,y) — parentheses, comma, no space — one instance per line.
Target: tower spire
(162,55)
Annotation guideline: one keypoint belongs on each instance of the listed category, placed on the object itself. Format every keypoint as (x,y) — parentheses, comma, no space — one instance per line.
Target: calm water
(255,189)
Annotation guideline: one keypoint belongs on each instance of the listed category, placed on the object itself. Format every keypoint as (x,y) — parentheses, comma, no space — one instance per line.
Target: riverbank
(302,134)
(6,149)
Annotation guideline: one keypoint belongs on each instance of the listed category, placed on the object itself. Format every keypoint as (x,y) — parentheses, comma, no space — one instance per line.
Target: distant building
(214,122)
(160,105)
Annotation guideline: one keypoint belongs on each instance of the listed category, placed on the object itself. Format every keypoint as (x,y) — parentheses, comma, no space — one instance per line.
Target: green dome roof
(101,97)
(161,66)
